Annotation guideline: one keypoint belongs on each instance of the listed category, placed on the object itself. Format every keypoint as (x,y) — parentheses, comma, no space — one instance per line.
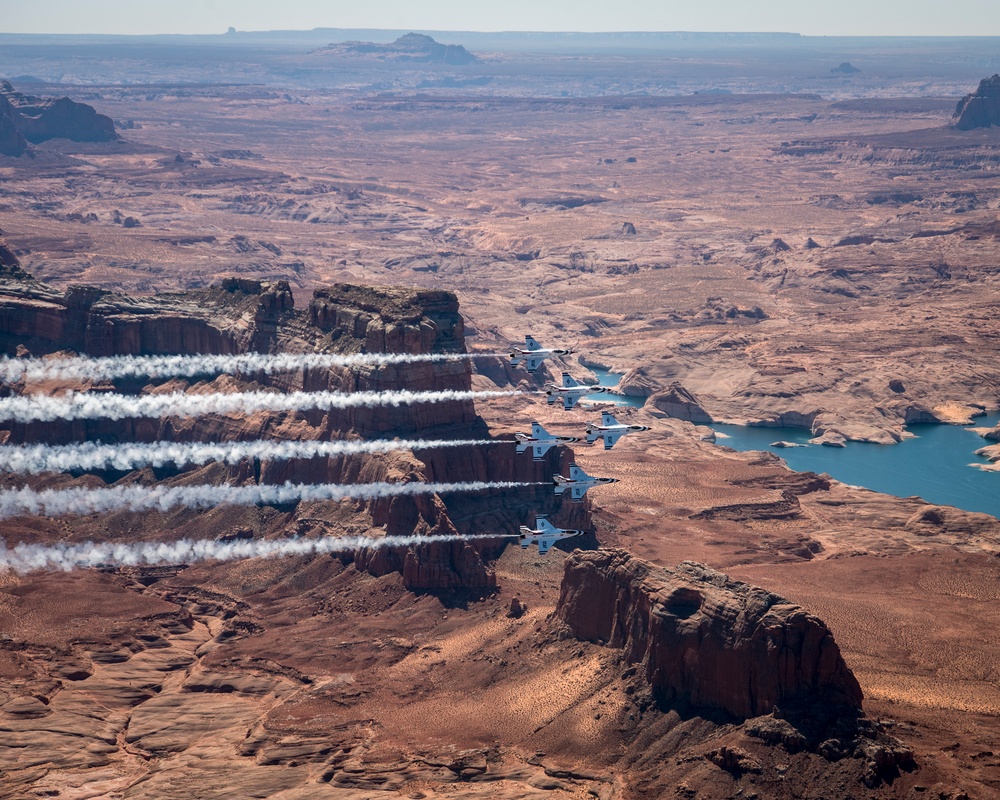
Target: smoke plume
(187,366)
(127,456)
(83,500)
(22,558)
(91,405)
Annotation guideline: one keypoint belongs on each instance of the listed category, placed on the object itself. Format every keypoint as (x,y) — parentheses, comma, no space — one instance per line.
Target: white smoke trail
(126,456)
(101,405)
(112,367)
(24,558)
(82,500)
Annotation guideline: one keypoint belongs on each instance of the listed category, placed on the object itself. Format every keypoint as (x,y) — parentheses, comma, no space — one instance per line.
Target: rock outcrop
(704,641)
(240,316)
(26,119)
(8,258)
(677,402)
(12,141)
(981,108)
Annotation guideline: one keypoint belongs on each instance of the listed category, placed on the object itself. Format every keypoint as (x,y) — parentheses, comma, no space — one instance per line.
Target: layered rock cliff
(981,108)
(244,316)
(26,119)
(8,258)
(703,640)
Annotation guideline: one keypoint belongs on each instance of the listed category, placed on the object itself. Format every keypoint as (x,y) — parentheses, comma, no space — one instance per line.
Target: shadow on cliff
(703,647)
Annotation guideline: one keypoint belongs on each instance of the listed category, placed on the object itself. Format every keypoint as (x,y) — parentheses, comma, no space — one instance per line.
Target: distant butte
(981,109)
(25,119)
(414,47)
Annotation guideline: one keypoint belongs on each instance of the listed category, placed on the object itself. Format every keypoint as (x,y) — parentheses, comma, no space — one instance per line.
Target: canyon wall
(240,316)
(705,641)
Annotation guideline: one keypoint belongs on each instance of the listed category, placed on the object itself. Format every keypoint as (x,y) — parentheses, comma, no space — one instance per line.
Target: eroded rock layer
(26,119)
(239,316)
(981,108)
(703,640)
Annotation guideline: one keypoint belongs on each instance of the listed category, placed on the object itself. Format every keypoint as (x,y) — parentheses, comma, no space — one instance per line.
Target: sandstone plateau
(981,108)
(749,235)
(25,119)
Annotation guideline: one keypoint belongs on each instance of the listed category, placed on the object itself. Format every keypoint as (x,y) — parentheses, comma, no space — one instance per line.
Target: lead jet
(533,354)
(544,535)
(570,391)
(578,482)
(611,430)
(540,441)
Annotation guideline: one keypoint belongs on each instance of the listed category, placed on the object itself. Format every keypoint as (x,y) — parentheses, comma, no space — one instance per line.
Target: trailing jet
(545,535)
(570,391)
(532,354)
(578,482)
(611,430)
(540,441)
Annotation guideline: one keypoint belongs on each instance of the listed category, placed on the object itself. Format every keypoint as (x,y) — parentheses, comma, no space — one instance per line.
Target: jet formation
(571,391)
(533,354)
(540,441)
(578,482)
(609,430)
(545,534)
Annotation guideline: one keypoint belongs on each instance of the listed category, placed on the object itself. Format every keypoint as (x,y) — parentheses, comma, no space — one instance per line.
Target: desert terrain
(790,242)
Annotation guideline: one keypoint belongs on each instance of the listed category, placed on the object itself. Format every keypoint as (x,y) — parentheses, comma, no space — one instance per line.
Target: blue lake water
(934,465)
(610,379)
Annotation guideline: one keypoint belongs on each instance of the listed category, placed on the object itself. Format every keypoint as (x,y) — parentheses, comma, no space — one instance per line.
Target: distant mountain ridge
(415,47)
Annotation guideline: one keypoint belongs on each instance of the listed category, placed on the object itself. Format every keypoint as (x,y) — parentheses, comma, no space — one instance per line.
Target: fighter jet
(578,482)
(611,430)
(540,441)
(544,535)
(532,354)
(570,391)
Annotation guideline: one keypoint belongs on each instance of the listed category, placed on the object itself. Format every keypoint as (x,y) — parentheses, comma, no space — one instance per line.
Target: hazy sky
(832,17)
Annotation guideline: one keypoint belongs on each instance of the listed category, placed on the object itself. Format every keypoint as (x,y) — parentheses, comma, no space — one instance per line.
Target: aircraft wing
(578,492)
(532,363)
(544,544)
(570,400)
(610,437)
(539,450)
